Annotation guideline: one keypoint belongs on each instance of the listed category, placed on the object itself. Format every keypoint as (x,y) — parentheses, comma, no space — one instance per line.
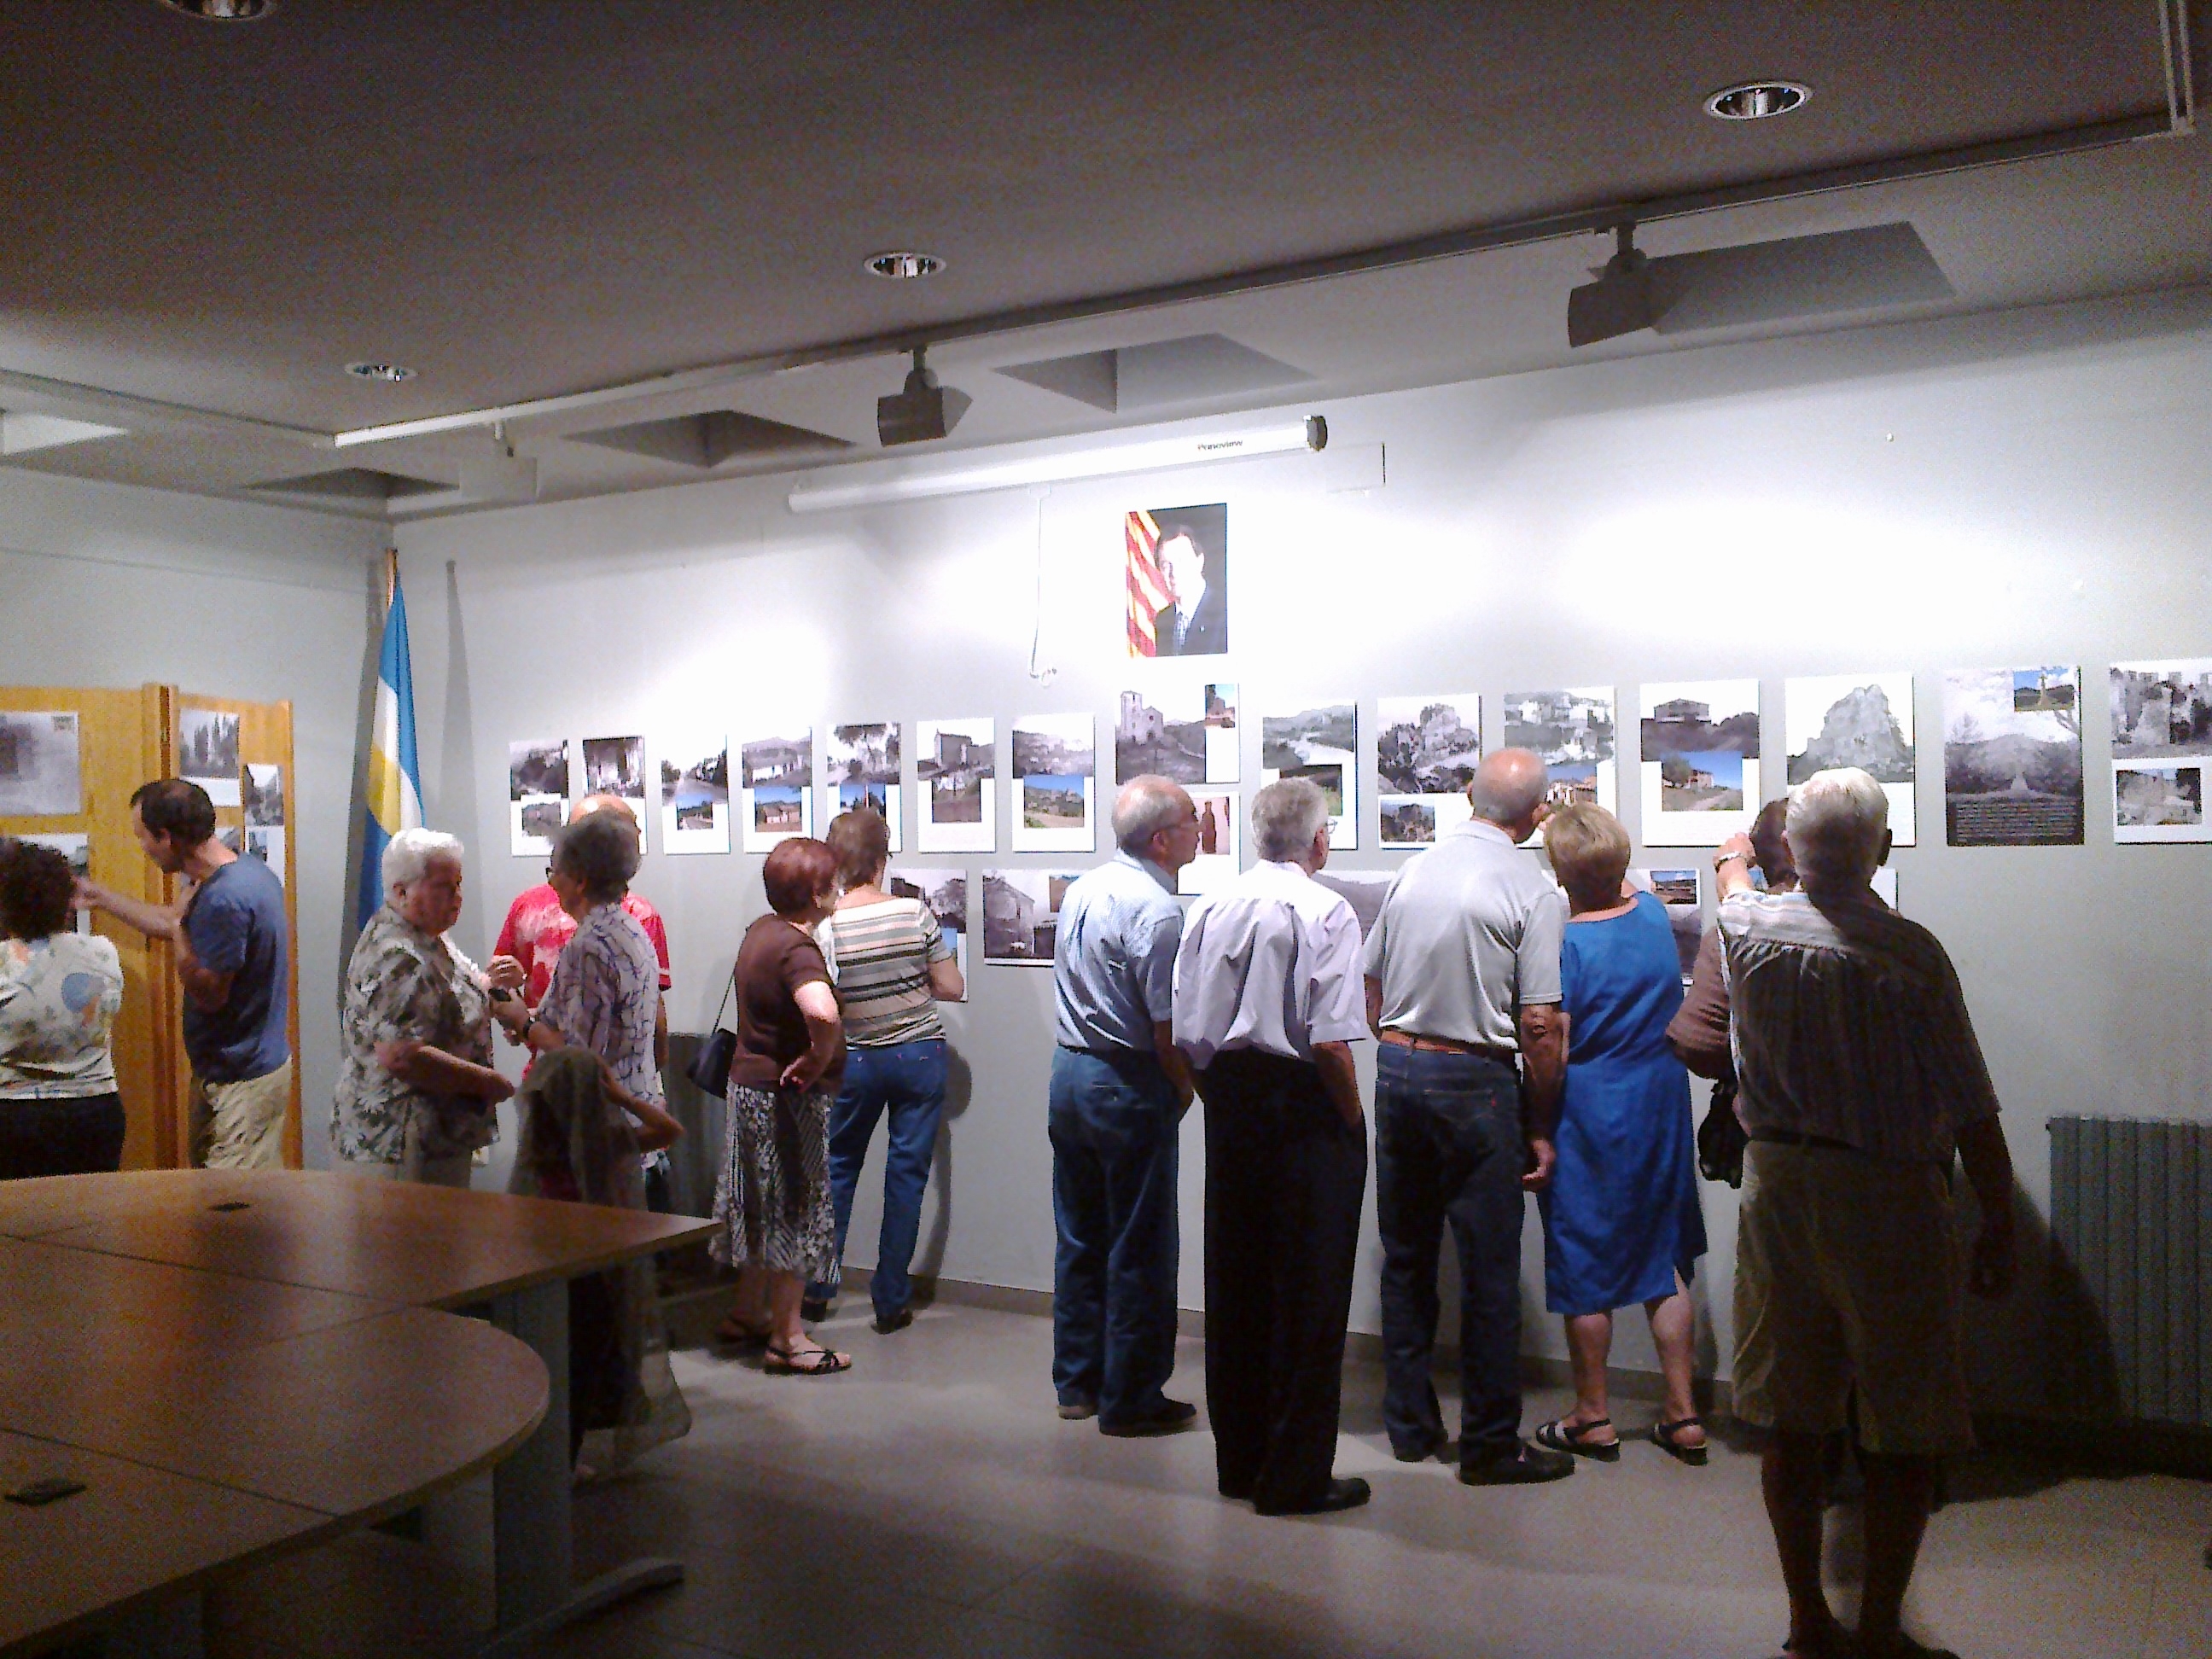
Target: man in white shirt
(1266,1004)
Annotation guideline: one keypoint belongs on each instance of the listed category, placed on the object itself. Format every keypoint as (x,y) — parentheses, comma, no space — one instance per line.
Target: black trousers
(1285,1179)
(81,1135)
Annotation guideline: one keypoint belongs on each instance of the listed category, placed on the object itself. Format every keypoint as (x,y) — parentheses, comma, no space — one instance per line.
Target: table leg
(532,1544)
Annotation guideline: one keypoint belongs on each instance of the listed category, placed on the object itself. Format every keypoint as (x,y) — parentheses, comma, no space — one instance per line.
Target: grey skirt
(773,1196)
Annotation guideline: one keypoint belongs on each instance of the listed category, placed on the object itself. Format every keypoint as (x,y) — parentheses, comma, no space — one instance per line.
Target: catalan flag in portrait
(1147,587)
(393,792)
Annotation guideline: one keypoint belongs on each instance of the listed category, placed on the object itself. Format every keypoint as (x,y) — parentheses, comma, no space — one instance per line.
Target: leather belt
(1429,1045)
(1794,1138)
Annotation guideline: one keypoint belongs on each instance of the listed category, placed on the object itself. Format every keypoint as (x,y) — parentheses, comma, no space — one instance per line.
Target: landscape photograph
(2012,757)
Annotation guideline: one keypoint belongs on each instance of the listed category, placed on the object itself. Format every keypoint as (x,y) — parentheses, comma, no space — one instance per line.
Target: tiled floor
(930,1502)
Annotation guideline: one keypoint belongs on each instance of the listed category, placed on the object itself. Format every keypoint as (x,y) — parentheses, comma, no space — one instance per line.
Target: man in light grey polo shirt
(1119,1090)
(1463,972)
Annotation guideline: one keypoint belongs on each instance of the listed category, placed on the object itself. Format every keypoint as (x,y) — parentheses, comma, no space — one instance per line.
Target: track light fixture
(1619,302)
(921,410)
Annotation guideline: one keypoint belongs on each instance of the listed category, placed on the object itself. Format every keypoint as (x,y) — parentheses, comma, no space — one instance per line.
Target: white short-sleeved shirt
(1269,961)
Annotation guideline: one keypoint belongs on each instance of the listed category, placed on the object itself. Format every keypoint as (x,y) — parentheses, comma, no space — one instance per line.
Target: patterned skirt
(773,1197)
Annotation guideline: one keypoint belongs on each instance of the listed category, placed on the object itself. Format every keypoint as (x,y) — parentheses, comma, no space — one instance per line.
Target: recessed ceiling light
(1754,100)
(390,373)
(902,265)
(222,11)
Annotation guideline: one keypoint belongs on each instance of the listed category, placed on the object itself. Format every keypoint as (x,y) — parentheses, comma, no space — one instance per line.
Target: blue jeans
(1114,1122)
(1448,1148)
(907,1080)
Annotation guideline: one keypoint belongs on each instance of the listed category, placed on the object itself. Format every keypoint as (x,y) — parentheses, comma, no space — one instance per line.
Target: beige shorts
(1847,1272)
(240,1126)
(414,1164)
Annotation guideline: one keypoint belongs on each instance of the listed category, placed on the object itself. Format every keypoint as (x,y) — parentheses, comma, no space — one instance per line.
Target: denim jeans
(1448,1148)
(1114,1123)
(907,1081)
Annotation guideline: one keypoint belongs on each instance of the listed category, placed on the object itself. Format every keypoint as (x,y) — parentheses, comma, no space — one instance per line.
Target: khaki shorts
(416,1165)
(240,1126)
(1847,1273)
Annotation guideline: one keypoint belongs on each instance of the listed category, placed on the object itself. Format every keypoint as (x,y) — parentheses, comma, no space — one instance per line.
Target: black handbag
(710,1070)
(1720,1139)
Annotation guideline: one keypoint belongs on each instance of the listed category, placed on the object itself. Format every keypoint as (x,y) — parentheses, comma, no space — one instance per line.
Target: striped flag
(393,789)
(1148,585)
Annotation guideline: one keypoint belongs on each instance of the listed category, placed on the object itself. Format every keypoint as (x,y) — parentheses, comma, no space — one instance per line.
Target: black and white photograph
(261,792)
(955,767)
(207,752)
(1856,720)
(695,795)
(538,794)
(267,844)
(775,776)
(76,848)
(1189,735)
(2161,710)
(1426,749)
(41,766)
(616,766)
(1320,743)
(1363,889)
(1219,849)
(1677,891)
(1573,732)
(1021,915)
(2162,802)
(2012,757)
(1176,591)
(1700,761)
(860,765)
(945,892)
(1054,758)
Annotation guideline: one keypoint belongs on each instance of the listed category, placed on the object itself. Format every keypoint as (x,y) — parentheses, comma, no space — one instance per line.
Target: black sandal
(1662,1435)
(1559,1435)
(819,1362)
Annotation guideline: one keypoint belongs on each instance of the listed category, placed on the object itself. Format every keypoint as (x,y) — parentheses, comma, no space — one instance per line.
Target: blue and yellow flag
(394,784)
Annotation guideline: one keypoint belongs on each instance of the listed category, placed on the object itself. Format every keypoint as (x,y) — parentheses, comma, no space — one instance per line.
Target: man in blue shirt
(1120,1088)
(230,942)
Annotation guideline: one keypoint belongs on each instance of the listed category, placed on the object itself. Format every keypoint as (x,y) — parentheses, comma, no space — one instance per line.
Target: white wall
(2021,489)
(108,584)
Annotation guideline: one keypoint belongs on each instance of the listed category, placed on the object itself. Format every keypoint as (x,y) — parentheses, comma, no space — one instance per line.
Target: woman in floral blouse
(416,1083)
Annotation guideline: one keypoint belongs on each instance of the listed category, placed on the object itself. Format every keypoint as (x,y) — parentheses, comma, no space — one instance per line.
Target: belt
(1792,1137)
(1429,1045)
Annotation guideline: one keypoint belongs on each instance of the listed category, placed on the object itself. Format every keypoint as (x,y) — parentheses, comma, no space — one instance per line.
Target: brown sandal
(818,1362)
(1662,1435)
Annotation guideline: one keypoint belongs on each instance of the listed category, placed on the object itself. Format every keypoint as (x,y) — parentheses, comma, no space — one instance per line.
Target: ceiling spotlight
(1619,302)
(222,11)
(390,373)
(921,410)
(1754,100)
(901,265)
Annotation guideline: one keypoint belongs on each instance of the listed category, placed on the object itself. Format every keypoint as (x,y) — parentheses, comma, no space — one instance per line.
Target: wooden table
(267,1341)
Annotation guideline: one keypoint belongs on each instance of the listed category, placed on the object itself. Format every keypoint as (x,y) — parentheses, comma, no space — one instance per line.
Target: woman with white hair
(416,1082)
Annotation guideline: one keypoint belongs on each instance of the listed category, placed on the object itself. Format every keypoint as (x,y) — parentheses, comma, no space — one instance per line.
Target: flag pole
(391,576)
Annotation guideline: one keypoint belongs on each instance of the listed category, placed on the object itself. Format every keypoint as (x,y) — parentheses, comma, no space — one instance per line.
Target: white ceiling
(526,198)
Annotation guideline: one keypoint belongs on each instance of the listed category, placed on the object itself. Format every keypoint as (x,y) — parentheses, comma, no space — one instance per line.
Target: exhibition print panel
(1176,585)
(945,892)
(1189,734)
(1572,732)
(2162,750)
(537,794)
(775,789)
(954,776)
(1426,749)
(2012,757)
(1055,784)
(616,766)
(695,793)
(1699,749)
(1021,915)
(1321,744)
(1855,720)
(861,769)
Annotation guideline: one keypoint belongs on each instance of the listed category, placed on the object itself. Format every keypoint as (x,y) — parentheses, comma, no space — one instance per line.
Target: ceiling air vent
(354,483)
(709,439)
(1189,370)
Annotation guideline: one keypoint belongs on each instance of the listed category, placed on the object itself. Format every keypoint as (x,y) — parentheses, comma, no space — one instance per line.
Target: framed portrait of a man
(1177,580)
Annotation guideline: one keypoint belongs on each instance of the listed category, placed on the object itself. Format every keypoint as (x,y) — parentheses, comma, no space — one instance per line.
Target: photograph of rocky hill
(1856,720)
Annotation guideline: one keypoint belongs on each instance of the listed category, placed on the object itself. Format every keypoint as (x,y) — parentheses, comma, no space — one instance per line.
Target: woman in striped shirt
(892,966)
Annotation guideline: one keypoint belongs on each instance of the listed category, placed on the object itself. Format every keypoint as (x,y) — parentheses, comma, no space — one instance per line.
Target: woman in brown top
(773,1198)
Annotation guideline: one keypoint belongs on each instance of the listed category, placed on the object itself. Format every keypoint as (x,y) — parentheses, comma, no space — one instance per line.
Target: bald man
(1462,969)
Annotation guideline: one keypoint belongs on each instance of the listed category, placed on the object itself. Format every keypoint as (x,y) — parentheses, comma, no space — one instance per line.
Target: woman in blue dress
(1621,1221)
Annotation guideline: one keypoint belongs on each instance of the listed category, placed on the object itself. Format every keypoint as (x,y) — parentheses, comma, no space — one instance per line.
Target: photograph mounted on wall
(1021,915)
(945,893)
(1426,749)
(41,767)
(261,792)
(861,766)
(2012,757)
(695,795)
(616,766)
(1677,891)
(1055,786)
(1573,731)
(1218,859)
(1188,735)
(1321,744)
(207,752)
(1699,754)
(776,784)
(537,794)
(2161,748)
(955,763)
(1855,720)
(1176,569)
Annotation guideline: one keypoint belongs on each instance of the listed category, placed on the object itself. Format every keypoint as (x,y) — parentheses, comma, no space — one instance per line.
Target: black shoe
(814,1310)
(886,1323)
(1524,1466)
(1419,1451)
(1165,1419)
(1346,1494)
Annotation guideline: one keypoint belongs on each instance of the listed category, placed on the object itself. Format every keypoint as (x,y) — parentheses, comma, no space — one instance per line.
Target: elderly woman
(773,1200)
(1621,1222)
(416,1083)
(59,994)
(893,966)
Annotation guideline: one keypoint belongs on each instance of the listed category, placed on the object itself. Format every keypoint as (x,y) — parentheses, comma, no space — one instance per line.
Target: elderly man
(1463,990)
(1119,1090)
(1860,1078)
(1267,1004)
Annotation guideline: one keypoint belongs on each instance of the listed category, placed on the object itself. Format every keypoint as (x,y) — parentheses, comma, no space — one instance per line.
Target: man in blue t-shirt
(230,943)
